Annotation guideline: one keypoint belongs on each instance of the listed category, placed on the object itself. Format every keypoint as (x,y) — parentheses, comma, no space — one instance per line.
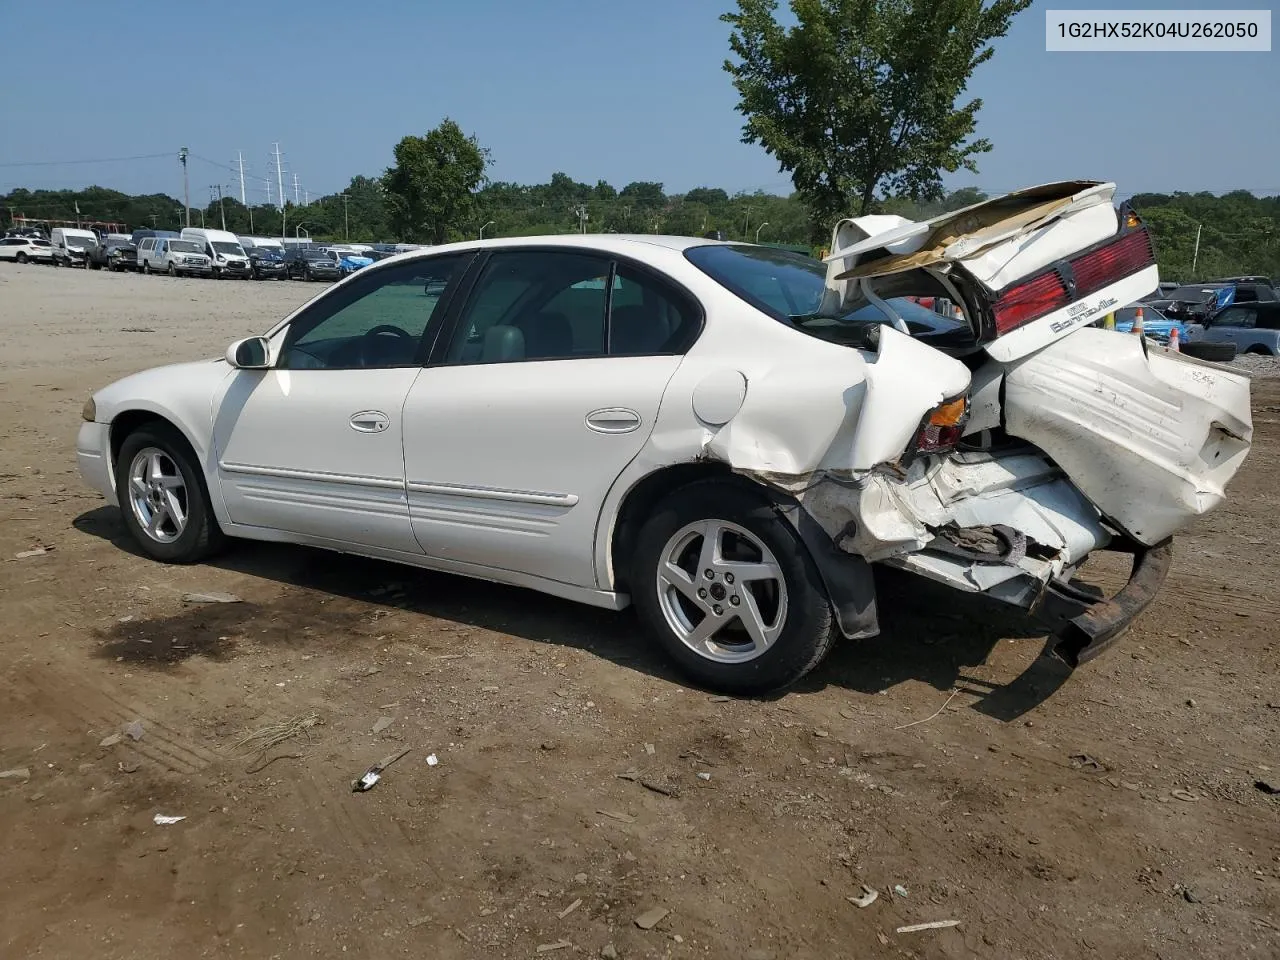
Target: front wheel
(729,590)
(172,271)
(146,267)
(163,497)
(22,257)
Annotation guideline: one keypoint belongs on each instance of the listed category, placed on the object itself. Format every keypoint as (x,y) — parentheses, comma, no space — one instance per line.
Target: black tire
(22,256)
(172,271)
(1208,350)
(146,267)
(808,629)
(201,537)
(93,265)
(1258,351)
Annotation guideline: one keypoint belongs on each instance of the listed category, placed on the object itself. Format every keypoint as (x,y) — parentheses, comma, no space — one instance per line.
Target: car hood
(163,390)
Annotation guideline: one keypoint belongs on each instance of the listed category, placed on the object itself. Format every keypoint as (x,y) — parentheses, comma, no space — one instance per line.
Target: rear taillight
(1030,300)
(941,430)
(1104,266)
(1090,272)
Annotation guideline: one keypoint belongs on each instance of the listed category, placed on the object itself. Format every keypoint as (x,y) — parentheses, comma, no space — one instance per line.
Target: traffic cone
(1138,327)
(1174,345)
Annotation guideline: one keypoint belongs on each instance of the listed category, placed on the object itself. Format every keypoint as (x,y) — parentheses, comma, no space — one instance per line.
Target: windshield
(266,253)
(81,242)
(184,246)
(225,248)
(316,255)
(784,285)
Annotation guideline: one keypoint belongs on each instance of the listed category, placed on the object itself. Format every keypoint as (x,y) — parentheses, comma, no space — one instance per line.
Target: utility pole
(222,207)
(243,201)
(186,190)
(581,211)
(346,224)
(306,197)
(1195,256)
(295,189)
(279,177)
(154,218)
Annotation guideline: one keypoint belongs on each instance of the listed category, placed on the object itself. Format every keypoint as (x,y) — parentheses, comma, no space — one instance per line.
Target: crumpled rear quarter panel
(1151,441)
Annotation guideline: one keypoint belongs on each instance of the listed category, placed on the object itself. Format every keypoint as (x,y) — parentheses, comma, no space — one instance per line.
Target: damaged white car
(726,435)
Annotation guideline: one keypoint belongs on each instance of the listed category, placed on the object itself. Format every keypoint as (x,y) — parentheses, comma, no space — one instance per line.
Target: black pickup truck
(114,251)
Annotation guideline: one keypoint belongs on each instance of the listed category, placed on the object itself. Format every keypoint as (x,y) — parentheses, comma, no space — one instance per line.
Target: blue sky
(600,89)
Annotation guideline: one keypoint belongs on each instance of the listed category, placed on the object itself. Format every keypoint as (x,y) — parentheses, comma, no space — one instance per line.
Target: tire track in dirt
(59,693)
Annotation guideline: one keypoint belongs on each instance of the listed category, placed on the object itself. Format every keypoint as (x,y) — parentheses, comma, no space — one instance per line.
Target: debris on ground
(134,730)
(28,554)
(1267,787)
(869,896)
(570,908)
(128,766)
(374,773)
(110,740)
(17,773)
(432,760)
(258,742)
(608,952)
(558,945)
(651,918)
(667,790)
(1082,761)
(210,597)
(1189,895)
(163,820)
(615,815)
(1185,795)
(932,925)
(703,775)
(382,723)
(900,890)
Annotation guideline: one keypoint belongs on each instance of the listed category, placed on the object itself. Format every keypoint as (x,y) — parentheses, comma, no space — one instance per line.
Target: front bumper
(93,457)
(1093,625)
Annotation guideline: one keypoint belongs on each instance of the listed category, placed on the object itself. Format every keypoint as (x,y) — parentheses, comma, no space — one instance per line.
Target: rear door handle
(370,421)
(613,420)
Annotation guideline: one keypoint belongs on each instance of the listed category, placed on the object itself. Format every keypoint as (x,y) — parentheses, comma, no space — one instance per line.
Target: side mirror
(251,353)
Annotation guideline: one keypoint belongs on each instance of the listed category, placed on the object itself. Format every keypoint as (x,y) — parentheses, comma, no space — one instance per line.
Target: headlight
(221,258)
(90,410)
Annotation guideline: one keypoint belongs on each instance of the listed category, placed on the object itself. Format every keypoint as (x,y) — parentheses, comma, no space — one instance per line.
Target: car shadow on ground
(929,633)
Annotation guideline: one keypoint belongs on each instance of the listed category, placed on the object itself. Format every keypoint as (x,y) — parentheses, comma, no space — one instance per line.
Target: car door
(1232,325)
(312,446)
(546,388)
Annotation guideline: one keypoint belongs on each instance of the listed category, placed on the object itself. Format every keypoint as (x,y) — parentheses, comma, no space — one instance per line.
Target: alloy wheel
(158,495)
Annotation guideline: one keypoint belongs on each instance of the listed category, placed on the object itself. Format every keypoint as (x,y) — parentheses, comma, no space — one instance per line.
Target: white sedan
(726,435)
(26,250)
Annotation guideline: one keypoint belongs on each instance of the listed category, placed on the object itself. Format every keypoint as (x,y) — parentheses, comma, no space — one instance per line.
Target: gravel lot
(1112,813)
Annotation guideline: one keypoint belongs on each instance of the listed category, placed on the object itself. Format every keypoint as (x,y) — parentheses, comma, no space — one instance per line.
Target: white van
(174,256)
(70,245)
(223,250)
(271,242)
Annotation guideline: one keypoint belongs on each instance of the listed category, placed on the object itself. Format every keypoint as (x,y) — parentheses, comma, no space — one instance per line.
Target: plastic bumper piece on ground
(1100,623)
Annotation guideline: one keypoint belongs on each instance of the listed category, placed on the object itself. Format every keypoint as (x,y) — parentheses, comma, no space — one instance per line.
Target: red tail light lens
(1028,301)
(1127,255)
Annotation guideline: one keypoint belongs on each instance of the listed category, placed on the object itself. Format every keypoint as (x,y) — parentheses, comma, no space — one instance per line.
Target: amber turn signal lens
(949,414)
(1132,220)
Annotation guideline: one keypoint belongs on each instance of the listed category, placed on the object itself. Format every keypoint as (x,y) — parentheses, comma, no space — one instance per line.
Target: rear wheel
(146,266)
(1258,350)
(163,497)
(22,256)
(729,590)
(172,271)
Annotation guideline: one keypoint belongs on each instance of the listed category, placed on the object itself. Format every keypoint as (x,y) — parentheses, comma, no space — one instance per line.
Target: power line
(61,163)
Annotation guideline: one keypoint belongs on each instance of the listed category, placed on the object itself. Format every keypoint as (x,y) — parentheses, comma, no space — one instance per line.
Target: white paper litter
(163,820)
(432,760)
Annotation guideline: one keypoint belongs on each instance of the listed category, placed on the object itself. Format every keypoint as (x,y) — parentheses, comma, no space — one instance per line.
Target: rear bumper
(1094,625)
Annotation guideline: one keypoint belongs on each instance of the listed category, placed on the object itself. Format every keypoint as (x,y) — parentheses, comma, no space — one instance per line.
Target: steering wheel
(380,330)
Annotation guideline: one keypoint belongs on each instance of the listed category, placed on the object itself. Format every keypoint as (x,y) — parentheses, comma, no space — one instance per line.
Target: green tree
(431,189)
(860,95)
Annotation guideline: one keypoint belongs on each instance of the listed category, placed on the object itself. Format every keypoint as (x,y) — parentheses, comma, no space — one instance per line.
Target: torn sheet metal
(1151,440)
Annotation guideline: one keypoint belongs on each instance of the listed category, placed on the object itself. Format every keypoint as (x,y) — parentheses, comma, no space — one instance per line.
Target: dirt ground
(1112,813)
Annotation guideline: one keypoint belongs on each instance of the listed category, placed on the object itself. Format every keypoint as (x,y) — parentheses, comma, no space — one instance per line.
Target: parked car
(1197,302)
(71,246)
(115,251)
(227,257)
(267,263)
(304,263)
(1251,327)
(715,432)
(143,232)
(1156,325)
(26,250)
(177,258)
(349,260)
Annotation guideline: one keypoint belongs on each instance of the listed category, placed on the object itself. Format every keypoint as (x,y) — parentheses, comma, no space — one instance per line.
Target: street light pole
(489,224)
(346,225)
(186,190)
(759,228)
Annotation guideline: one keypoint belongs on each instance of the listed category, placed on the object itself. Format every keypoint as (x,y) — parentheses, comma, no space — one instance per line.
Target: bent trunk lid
(1030,266)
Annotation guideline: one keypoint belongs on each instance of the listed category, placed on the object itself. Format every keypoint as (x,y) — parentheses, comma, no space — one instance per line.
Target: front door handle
(370,421)
(613,420)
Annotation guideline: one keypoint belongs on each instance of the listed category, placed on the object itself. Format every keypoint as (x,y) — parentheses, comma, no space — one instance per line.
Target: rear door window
(1235,317)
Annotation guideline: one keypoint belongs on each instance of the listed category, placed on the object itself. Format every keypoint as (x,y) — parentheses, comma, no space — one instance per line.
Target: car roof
(619,243)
